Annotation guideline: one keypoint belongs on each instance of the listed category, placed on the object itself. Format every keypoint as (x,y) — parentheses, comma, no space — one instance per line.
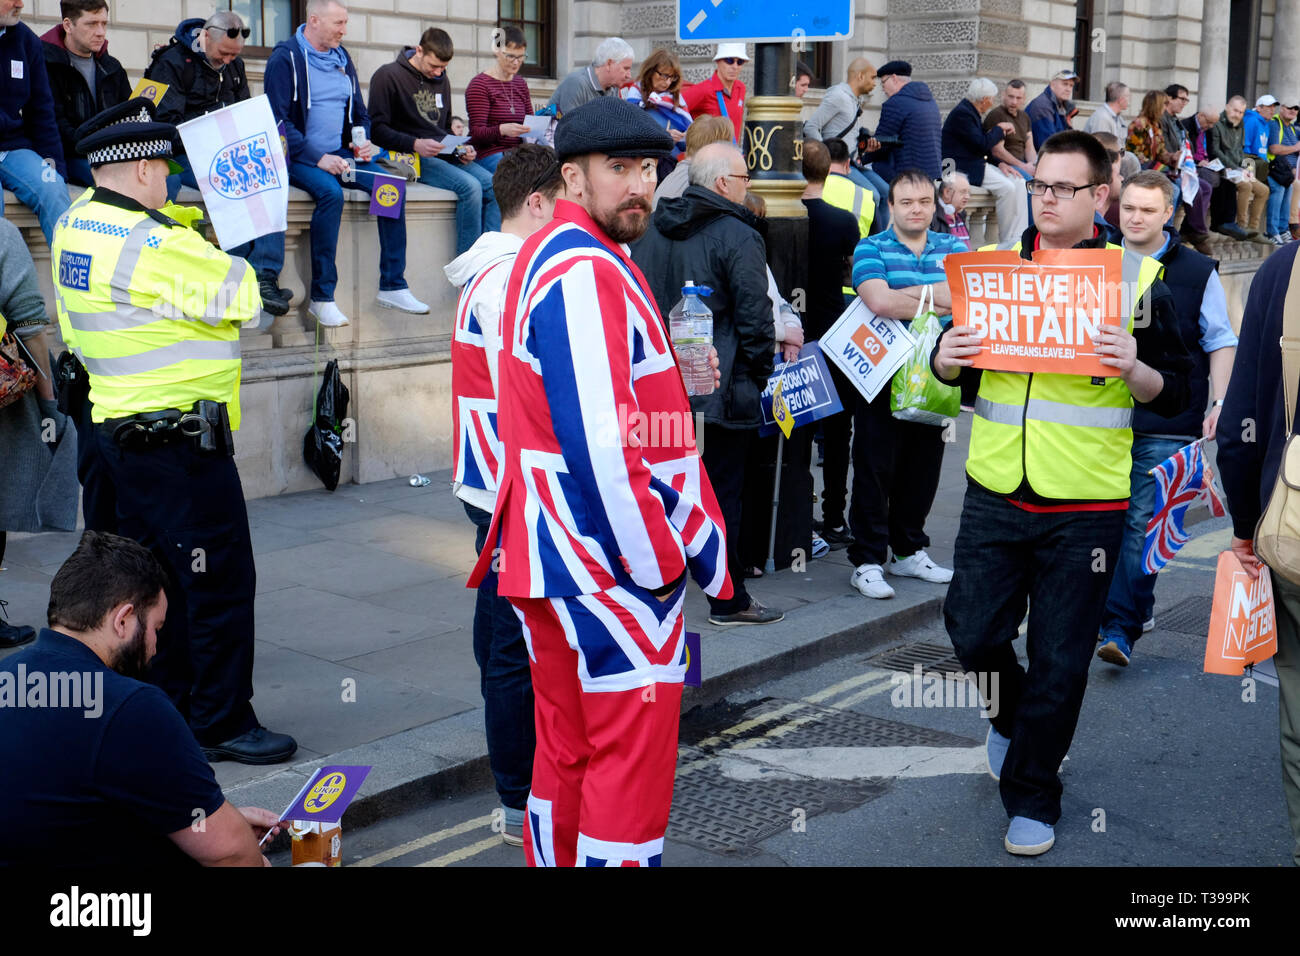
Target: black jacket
(966,143)
(194,86)
(405,105)
(73,104)
(1252,425)
(713,242)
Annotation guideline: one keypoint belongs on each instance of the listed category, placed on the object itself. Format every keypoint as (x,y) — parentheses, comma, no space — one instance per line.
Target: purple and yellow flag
(388,196)
(326,795)
(693,675)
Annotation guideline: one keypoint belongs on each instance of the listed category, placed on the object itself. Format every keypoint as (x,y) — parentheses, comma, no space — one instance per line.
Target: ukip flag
(1181,481)
(387,195)
(241,170)
(781,413)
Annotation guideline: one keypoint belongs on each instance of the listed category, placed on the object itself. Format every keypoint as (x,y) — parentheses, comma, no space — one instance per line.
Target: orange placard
(1243,620)
(872,348)
(1038,315)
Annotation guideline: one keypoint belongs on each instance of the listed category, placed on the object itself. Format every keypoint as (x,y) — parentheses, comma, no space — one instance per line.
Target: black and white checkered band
(127,152)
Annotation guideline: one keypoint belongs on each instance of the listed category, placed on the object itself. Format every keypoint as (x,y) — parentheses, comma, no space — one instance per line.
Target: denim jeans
(326,190)
(38,187)
(506,682)
(1278,215)
(489,163)
(476,204)
(184,178)
(1060,564)
(1132,592)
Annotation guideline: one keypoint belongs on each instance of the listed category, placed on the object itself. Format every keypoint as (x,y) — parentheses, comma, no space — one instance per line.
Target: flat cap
(895,68)
(612,126)
(125,133)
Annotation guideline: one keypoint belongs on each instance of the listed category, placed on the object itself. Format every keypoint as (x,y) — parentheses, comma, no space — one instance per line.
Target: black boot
(274,299)
(14,636)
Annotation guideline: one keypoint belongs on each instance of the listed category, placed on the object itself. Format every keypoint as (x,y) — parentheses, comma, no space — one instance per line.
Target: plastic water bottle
(691,326)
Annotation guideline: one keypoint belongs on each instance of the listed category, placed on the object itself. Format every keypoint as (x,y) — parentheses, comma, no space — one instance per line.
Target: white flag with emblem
(241,170)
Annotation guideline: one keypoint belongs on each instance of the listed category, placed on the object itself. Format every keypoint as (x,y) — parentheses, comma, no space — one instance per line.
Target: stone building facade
(397,366)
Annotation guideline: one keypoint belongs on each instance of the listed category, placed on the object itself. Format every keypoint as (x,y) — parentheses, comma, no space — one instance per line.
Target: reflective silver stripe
(123,317)
(214,313)
(1089,417)
(998,413)
(127,259)
(1057,413)
(155,359)
(857,201)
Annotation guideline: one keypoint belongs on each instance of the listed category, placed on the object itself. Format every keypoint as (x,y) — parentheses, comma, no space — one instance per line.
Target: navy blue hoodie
(26,103)
(289,91)
(912,116)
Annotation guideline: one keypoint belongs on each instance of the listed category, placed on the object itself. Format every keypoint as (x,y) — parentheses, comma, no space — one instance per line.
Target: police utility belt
(206,426)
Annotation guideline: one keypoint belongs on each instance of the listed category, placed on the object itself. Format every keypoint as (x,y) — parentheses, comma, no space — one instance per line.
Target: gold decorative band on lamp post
(774,152)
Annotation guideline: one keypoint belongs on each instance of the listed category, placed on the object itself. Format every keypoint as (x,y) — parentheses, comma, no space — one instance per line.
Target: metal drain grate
(847,728)
(1191,616)
(731,816)
(931,657)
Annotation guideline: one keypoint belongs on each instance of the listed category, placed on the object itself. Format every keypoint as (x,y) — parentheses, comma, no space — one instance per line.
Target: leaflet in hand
(451,142)
(537,127)
(1215,164)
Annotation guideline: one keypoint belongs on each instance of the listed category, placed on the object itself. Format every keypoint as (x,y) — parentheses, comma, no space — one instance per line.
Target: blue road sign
(757,22)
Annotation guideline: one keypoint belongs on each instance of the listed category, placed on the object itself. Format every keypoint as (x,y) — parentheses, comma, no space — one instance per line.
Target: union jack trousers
(594,513)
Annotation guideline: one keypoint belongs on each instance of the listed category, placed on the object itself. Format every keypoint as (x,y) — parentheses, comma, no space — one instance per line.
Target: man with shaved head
(837,118)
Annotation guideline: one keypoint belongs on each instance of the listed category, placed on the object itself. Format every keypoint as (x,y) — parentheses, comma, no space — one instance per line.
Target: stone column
(1283,67)
(1212,84)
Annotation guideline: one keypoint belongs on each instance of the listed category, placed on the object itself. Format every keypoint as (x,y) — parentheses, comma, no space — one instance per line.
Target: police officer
(153,312)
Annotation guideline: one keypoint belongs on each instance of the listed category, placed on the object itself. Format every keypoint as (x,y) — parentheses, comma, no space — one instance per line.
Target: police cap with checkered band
(126,133)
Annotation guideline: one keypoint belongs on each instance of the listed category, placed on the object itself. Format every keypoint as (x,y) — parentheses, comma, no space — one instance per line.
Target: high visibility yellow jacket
(150,307)
(1070,438)
(843,193)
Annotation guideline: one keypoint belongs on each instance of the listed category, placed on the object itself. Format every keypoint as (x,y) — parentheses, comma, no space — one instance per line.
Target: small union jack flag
(1181,481)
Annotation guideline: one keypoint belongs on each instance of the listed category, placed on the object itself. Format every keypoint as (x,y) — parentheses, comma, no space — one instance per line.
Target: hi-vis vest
(152,310)
(843,193)
(1072,439)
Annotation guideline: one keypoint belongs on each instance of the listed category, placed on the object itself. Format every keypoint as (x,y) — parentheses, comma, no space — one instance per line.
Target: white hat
(731,49)
(1268,99)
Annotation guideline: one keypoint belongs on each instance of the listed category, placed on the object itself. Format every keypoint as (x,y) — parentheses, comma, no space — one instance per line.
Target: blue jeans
(327,191)
(1005,559)
(490,162)
(38,187)
(879,189)
(1132,591)
(506,682)
(1278,213)
(476,204)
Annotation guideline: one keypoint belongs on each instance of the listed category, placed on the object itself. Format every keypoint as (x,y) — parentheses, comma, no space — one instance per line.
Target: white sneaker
(1149,624)
(870,580)
(402,300)
(920,566)
(327,314)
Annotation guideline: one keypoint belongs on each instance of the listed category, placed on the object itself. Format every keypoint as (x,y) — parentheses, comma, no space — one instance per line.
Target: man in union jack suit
(603,506)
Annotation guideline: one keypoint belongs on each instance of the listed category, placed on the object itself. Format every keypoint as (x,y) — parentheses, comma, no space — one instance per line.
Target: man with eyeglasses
(708,237)
(722,94)
(1048,485)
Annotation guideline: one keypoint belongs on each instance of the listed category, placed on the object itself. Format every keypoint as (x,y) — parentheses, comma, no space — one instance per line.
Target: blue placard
(755,22)
(807,388)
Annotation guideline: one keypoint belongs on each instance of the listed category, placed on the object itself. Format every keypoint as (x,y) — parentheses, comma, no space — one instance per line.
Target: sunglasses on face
(731,60)
(234,32)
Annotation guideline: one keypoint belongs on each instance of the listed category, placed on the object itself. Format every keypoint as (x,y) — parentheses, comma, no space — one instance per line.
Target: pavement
(364,651)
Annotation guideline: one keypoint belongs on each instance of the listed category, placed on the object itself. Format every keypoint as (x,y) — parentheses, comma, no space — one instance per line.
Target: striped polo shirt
(883,256)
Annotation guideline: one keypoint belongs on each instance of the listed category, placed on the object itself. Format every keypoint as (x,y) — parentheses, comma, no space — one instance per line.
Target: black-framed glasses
(234,32)
(665,76)
(732,60)
(1063,191)
(513,57)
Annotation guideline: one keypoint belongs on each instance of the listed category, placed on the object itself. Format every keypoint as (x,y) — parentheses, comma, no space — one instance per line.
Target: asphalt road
(1169,766)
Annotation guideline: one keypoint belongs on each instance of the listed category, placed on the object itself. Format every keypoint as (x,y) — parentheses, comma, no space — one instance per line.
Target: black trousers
(895,477)
(1061,565)
(724,453)
(837,433)
(188,509)
(98,500)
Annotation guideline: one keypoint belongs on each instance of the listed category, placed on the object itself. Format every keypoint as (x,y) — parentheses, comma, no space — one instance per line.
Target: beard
(130,659)
(622,228)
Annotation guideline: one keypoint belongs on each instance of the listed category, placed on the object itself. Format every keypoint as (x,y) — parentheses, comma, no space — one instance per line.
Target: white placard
(867,348)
